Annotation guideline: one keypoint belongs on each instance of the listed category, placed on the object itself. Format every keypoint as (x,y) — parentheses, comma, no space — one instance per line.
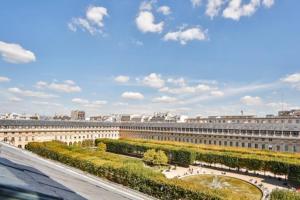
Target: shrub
(102,147)
(284,195)
(176,155)
(185,154)
(127,171)
(154,157)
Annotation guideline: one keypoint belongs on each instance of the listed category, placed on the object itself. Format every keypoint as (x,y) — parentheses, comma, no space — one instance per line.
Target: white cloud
(154,80)
(165,99)
(89,104)
(46,103)
(201,88)
(67,86)
(4,79)
(235,10)
(122,79)
(15,99)
(184,36)
(185,89)
(196,3)
(217,93)
(146,23)
(251,101)
(93,21)
(178,81)
(29,93)
(165,10)
(293,80)
(80,101)
(268,3)
(213,7)
(14,53)
(133,95)
(146,5)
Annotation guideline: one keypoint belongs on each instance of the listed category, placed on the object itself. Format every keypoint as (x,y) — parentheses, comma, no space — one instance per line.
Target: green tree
(101,147)
(153,157)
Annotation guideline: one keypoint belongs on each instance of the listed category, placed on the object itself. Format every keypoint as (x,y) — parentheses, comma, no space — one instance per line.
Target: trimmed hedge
(284,195)
(179,156)
(129,172)
(184,155)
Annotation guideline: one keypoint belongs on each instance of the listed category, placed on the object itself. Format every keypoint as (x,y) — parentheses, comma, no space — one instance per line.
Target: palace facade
(283,136)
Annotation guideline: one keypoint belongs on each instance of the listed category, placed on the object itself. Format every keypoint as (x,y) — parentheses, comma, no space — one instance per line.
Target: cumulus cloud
(293,80)
(92,22)
(236,10)
(133,95)
(178,81)
(15,53)
(146,23)
(89,104)
(268,3)
(213,7)
(200,88)
(122,79)
(146,5)
(68,86)
(30,93)
(4,79)
(165,99)
(154,80)
(196,3)
(165,10)
(145,20)
(251,101)
(186,35)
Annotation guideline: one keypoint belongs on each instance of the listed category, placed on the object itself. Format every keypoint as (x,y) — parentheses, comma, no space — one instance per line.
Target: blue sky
(208,57)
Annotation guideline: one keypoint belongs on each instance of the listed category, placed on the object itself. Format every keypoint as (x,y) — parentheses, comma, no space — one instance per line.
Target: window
(278,147)
(249,145)
(286,147)
(256,146)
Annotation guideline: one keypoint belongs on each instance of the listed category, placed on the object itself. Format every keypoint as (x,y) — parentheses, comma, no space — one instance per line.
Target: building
(270,136)
(20,132)
(77,115)
(271,133)
(61,117)
(286,113)
(125,118)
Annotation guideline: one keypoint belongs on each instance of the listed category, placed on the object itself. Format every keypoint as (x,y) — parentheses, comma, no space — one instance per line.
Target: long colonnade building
(276,137)
(271,136)
(20,132)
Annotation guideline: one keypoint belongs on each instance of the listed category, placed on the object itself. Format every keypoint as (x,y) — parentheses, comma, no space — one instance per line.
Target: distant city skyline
(140,57)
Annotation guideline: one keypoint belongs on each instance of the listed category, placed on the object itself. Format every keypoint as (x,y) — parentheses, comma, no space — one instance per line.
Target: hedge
(182,154)
(284,195)
(176,155)
(129,172)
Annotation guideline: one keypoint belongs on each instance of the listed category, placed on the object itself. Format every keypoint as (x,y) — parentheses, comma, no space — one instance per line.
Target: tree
(153,157)
(101,147)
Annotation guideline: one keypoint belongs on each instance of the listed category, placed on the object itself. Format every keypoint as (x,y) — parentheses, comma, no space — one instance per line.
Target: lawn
(235,185)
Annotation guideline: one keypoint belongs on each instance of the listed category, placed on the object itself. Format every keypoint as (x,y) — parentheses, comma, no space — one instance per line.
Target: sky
(191,57)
